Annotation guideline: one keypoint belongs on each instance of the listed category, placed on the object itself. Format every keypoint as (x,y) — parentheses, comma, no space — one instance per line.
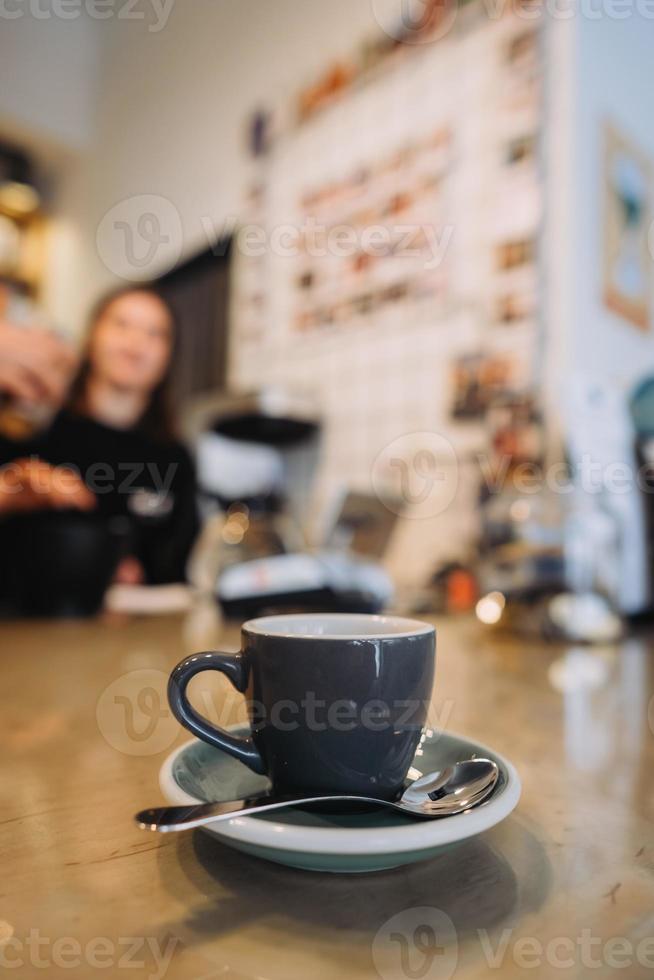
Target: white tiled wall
(378,379)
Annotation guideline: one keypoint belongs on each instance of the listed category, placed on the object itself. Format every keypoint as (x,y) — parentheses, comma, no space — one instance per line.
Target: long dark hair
(157,420)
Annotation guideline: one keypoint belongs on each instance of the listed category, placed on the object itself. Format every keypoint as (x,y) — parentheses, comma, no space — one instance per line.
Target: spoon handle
(165,819)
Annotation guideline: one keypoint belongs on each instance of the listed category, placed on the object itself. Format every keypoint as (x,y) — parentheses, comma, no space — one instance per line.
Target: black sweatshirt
(149,482)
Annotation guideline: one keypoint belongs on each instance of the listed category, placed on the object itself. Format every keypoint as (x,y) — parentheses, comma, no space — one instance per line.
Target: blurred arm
(35,365)
(31,484)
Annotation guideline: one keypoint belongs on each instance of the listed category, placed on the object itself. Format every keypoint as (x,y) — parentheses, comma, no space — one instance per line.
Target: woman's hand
(129,572)
(35,365)
(31,484)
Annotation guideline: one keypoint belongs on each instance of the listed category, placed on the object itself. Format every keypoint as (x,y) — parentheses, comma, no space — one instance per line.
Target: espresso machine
(257,456)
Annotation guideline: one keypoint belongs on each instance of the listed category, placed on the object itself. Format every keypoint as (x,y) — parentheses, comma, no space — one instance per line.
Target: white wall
(50,69)
(614,77)
(606,356)
(171,118)
(558,246)
(48,74)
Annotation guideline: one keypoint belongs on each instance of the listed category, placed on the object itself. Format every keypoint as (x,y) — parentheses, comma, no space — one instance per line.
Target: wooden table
(563,888)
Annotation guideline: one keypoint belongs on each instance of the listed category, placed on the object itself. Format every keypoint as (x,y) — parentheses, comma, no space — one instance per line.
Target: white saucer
(337,842)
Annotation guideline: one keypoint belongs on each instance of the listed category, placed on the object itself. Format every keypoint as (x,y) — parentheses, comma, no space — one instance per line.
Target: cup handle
(235,668)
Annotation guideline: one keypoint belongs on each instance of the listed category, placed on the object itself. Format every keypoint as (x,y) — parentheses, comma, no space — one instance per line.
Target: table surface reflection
(565,886)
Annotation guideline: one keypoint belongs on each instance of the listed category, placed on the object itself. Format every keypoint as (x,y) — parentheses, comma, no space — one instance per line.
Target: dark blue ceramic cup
(337,703)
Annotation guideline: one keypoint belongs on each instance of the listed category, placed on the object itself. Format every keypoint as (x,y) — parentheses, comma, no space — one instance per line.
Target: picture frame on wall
(628,214)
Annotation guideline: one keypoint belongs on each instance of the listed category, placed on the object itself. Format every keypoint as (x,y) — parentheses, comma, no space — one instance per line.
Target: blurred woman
(116,431)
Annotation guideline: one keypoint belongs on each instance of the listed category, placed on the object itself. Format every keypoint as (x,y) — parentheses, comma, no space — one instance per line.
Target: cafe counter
(563,886)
